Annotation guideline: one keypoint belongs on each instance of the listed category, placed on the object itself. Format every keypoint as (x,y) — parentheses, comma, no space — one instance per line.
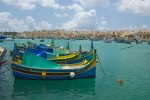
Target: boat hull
(87,74)
(35,67)
(24,73)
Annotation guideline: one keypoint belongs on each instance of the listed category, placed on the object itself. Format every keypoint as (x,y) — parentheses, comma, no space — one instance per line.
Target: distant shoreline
(80,35)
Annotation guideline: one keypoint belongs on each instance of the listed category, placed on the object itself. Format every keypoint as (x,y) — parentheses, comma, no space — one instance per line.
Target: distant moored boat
(5,38)
(32,38)
(41,40)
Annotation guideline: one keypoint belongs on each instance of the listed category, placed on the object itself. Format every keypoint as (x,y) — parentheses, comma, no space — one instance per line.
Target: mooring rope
(100,64)
(127,47)
(147,54)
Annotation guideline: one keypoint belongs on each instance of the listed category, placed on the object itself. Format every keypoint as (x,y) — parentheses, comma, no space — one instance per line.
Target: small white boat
(4,38)
(108,40)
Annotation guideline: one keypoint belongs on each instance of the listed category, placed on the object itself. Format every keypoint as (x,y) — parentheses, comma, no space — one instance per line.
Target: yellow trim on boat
(64,57)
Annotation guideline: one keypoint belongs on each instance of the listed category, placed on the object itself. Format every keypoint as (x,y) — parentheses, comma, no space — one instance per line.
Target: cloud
(141,7)
(23,4)
(31,4)
(76,7)
(51,4)
(7,23)
(30,22)
(144,26)
(82,21)
(131,27)
(93,3)
(44,25)
(60,15)
(103,26)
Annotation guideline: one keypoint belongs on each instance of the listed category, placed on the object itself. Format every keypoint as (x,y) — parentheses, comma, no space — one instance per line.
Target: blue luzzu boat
(59,59)
(2,38)
(80,57)
(36,67)
(5,38)
(41,50)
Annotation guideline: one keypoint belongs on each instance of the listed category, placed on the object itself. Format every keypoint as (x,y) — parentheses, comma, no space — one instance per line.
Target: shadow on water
(55,89)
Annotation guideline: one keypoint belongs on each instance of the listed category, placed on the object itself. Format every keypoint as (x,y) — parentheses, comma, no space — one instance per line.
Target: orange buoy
(120,81)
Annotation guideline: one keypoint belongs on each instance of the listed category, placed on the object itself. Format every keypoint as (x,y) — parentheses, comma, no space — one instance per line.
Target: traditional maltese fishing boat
(36,67)
(70,60)
(45,53)
(58,58)
(41,50)
(5,38)
(59,50)
(52,48)
(2,38)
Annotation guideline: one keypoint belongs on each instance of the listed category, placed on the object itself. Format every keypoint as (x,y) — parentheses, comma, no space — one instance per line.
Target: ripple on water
(130,64)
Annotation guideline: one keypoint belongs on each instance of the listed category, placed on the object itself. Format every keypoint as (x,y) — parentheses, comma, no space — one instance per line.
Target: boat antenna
(68,47)
(99,62)
(52,42)
(147,54)
(80,49)
(92,47)
(65,57)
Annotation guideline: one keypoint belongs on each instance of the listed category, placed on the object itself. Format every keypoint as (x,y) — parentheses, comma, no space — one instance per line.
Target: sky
(101,15)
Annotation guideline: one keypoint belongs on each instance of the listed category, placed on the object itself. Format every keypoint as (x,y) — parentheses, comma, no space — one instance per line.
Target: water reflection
(36,89)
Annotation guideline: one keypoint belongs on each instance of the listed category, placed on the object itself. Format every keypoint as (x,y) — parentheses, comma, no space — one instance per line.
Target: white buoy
(72,74)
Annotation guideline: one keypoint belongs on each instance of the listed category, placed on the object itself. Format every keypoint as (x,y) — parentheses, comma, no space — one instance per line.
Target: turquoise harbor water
(129,64)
